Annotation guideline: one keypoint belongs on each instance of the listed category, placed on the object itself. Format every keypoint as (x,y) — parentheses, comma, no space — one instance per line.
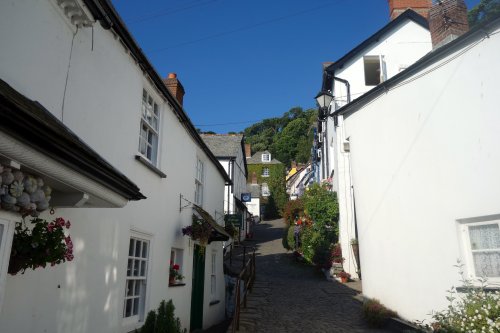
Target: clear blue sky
(244,61)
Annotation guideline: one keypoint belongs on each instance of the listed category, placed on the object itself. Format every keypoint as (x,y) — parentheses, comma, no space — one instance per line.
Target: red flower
(68,224)
(176,267)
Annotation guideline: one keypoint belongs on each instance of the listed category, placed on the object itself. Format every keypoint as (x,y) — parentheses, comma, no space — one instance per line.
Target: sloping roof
(218,232)
(254,189)
(407,15)
(30,123)
(104,12)
(257,158)
(479,32)
(224,145)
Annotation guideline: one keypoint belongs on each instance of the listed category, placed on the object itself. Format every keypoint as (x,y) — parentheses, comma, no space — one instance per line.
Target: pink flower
(60,221)
(68,224)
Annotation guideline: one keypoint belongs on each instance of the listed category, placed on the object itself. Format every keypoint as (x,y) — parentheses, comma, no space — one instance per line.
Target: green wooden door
(198,288)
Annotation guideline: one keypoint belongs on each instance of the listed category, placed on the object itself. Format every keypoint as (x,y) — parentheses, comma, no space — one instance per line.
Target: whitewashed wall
(102,106)
(425,155)
(401,47)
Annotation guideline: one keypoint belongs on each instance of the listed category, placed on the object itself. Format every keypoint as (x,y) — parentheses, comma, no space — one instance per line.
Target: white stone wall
(425,155)
(102,105)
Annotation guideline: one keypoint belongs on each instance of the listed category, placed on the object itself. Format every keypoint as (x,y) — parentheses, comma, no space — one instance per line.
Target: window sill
(477,288)
(214,302)
(180,284)
(150,166)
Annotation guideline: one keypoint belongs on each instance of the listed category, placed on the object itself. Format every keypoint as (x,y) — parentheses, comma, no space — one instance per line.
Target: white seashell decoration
(30,184)
(23,193)
(16,189)
(7,176)
(18,175)
(24,201)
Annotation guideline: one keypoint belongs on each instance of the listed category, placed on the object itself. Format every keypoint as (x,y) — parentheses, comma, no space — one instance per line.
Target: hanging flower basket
(199,230)
(40,244)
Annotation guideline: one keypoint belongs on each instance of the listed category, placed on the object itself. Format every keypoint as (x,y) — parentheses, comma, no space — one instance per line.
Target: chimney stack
(397,7)
(254,178)
(248,150)
(175,87)
(447,21)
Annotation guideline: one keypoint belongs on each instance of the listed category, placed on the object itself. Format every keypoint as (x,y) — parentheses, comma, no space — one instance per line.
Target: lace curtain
(485,245)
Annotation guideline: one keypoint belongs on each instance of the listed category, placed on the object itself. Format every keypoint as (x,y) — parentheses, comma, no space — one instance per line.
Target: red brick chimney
(254,178)
(397,7)
(248,150)
(175,87)
(447,21)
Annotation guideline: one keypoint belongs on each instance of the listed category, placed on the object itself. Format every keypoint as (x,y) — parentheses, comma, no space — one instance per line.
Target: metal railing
(247,277)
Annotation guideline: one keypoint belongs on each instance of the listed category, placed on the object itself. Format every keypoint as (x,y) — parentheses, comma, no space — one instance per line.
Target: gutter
(103,11)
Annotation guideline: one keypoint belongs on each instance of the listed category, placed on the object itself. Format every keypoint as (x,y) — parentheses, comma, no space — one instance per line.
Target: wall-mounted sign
(246,197)
(235,219)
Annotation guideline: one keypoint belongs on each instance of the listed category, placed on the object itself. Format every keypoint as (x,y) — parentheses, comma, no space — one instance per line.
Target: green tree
(483,11)
(285,146)
(278,198)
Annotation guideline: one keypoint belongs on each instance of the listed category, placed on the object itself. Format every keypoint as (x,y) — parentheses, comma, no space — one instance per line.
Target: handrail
(249,272)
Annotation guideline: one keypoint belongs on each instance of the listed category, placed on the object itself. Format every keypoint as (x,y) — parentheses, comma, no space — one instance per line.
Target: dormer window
(375,72)
(266,157)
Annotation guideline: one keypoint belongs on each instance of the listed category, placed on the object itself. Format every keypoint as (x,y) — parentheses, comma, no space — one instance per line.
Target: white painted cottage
(95,88)
(383,55)
(230,151)
(424,160)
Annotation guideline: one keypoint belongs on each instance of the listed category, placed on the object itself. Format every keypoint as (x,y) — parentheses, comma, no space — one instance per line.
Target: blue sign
(246,197)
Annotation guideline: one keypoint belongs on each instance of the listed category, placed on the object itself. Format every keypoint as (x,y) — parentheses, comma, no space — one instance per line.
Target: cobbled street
(289,296)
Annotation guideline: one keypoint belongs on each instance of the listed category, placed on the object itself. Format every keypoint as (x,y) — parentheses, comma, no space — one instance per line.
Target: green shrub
(475,310)
(375,314)
(292,209)
(163,320)
(284,238)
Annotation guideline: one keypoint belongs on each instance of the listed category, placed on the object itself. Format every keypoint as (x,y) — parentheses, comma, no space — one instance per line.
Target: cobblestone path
(292,297)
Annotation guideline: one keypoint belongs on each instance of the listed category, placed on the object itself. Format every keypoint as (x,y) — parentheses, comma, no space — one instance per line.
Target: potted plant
(355,251)
(175,276)
(40,244)
(344,276)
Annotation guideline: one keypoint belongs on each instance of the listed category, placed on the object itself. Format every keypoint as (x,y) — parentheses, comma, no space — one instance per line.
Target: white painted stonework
(400,47)
(424,160)
(94,86)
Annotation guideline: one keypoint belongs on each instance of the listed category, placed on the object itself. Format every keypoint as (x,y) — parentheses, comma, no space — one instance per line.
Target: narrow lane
(289,296)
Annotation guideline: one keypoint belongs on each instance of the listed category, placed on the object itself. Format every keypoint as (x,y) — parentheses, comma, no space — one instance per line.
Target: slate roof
(254,189)
(257,158)
(224,145)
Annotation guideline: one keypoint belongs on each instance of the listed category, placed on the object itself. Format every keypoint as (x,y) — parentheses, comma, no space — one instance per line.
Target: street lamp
(324,99)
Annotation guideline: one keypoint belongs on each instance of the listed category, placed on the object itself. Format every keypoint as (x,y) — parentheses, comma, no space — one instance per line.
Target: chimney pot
(175,87)
(248,150)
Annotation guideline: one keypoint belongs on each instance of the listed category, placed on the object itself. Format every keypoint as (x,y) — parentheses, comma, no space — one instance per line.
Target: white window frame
(265,190)
(382,71)
(468,250)
(143,278)
(177,258)
(265,172)
(266,157)
(149,133)
(199,182)
(6,237)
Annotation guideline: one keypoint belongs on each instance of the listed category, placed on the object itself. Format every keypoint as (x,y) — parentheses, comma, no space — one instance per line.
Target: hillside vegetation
(288,138)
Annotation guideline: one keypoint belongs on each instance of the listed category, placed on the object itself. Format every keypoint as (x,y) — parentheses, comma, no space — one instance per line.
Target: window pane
(485,236)
(137,291)
(137,248)
(131,247)
(1,234)
(128,308)
(130,288)
(144,250)
(143,268)
(136,267)
(487,264)
(136,306)
(129,267)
